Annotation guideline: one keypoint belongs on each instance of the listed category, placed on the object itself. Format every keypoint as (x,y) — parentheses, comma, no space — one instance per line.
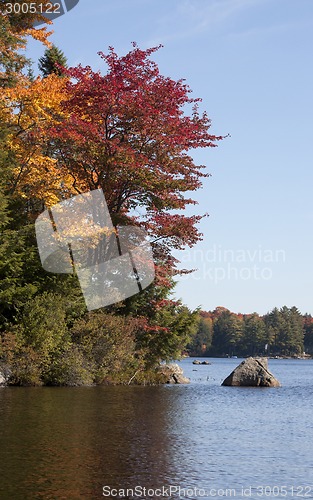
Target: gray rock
(172,374)
(252,372)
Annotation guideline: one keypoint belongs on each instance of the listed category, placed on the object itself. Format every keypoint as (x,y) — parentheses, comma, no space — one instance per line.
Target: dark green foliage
(254,335)
(51,61)
(108,346)
(166,337)
(69,368)
(48,338)
(308,333)
(202,340)
(285,331)
(227,332)
(22,275)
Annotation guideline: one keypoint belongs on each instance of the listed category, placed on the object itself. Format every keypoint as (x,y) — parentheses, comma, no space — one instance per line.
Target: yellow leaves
(5,113)
(27,110)
(39,178)
(32,105)
(30,109)
(91,234)
(38,101)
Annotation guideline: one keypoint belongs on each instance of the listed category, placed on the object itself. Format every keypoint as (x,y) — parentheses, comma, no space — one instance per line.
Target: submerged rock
(252,372)
(172,374)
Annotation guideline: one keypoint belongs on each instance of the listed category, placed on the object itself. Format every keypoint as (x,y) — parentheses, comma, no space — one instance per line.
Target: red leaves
(127,133)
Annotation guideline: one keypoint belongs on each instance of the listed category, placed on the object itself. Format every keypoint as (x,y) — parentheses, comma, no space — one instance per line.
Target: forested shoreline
(280,332)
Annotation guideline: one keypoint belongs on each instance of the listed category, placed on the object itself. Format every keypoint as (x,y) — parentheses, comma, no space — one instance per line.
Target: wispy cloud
(188,18)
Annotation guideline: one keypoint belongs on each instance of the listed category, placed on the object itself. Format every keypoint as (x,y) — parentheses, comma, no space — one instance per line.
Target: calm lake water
(206,440)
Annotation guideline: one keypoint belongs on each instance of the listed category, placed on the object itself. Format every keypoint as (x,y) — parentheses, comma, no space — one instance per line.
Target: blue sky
(251,63)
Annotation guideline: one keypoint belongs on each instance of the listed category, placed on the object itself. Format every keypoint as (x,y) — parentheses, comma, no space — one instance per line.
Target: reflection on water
(67,443)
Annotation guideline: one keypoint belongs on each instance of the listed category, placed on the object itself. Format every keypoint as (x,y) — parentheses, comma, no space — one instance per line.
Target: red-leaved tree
(128,133)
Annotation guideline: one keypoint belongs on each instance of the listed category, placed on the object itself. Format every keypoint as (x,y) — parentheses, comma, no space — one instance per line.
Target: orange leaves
(37,102)
(38,178)
(41,35)
(30,110)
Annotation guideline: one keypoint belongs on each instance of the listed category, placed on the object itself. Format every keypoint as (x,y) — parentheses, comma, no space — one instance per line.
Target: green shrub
(69,369)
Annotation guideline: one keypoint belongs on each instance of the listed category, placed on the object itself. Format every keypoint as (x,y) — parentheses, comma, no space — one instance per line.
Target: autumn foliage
(30,108)
(130,131)
(125,132)
(280,332)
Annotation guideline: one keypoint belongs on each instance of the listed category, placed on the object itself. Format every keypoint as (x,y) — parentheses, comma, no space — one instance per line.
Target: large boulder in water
(172,374)
(252,372)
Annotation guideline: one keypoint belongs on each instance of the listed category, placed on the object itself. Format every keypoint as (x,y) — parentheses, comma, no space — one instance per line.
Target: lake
(185,441)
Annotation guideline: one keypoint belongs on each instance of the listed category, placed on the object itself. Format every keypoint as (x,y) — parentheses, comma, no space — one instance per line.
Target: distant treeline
(282,331)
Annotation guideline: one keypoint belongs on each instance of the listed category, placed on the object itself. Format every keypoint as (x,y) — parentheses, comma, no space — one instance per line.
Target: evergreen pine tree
(227,333)
(51,61)
(254,339)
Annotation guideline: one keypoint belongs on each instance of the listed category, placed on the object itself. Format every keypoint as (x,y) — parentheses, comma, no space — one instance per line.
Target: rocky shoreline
(172,374)
(252,372)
